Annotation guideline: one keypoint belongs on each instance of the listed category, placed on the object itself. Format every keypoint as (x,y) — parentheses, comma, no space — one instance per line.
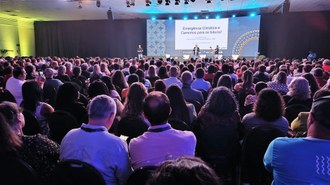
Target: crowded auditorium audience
(126,108)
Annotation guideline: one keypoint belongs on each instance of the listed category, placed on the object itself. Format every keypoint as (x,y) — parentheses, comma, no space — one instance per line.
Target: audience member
(173,77)
(199,83)
(92,143)
(160,142)
(50,81)
(14,84)
(303,160)
(190,95)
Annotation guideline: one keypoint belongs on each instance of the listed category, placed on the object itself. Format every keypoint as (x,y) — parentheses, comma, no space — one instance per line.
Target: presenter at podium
(196,51)
(140,52)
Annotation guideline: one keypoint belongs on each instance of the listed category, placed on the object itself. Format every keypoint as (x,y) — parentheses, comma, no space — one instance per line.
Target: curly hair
(221,102)
(299,89)
(269,105)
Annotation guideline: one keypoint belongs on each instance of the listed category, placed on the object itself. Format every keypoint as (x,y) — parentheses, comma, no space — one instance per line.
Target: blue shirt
(299,161)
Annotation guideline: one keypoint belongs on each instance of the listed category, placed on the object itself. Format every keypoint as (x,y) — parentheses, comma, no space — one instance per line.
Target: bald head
(156,108)
(187,77)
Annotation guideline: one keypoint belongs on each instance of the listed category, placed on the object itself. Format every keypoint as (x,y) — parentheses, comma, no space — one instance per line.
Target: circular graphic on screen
(243,40)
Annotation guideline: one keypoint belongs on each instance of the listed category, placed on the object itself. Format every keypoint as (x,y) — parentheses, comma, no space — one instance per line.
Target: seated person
(161,142)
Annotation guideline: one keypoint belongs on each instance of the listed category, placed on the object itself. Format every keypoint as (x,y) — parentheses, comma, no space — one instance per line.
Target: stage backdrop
(294,34)
(104,38)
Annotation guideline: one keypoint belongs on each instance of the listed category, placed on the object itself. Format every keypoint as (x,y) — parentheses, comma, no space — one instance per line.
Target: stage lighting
(148,2)
(132,2)
(177,2)
(207,17)
(208,1)
(217,17)
(195,17)
(233,16)
(252,14)
(170,18)
(167,2)
(186,1)
(192,1)
(159,1)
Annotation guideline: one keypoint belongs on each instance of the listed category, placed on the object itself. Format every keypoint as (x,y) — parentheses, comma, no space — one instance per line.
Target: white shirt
(106,152)
(14,86)
(201,84)
(153,148)
(172,80)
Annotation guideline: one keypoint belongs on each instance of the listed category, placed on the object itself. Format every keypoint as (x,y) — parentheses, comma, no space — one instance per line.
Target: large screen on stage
(234,36)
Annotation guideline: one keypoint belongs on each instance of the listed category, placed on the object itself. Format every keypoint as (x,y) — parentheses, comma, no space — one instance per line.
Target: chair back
(254,146)
(292,111)
(32,125)
(75,172)
(131,127)
(60,123)
(140,176)
(16,172)
(179,124)
(5,95)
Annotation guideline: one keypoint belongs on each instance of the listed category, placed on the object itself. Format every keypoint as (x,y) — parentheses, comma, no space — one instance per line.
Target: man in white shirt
(199,83)
(173,77)
(92,143)
(14,84)
(161,142)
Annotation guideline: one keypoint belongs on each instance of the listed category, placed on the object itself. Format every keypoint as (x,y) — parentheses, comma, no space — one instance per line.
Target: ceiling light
(186,1)
(128,4)
(148,2)
(159,1)
(132,2)
(98,3)
(177,2)
(167,2)
(208,1)
(192,0)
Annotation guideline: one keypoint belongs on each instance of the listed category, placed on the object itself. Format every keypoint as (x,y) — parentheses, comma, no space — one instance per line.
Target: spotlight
(217,17)
(167,2)
(159,1)
(128,4)
(148,2)
(186,1)
(252,14)
(170,18)
(98,3)
(177,2)
(195,17)
(207,17)
(233,16)
(192,0)
(208,1)
(185,18)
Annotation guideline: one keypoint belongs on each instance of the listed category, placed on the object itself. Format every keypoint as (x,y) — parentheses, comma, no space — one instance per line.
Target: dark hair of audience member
(32,95)
(156,107)
(97,88)
(119,81)
(269,105)
(160,86)
(312,82)
(9,140)
(133,106)
(140,73)
(247,79)
(221,102)
(260,86)
(17,71)
(178,104)
(67,94)
(217,75)
(321,93)
(281,77)
(132,78)
(162,72)
(108,82)
(211,69)
(225,81)
(199,73)
(184,171)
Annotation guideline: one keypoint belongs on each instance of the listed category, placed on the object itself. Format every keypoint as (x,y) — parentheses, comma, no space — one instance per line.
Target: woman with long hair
(10,142)
(32,101)
(314,86)
(118,80)
(133,106)
(162,72)
(181,110)
(225,81)
(243,89)
(268,110)
(152,75)
(36,150)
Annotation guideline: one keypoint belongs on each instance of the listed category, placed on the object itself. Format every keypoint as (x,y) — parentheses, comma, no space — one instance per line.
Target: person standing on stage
(196,50)
(140,52)
(216,51)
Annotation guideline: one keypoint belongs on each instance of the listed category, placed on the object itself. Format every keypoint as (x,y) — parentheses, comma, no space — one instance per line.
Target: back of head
(101,107)
(225,81)
(269,105)
(18,71)
(281,77)
(49,73)
(32,94)
(156,107)
(299,88)
(321,111)
(97,88)
(260,86)
(199,73)
(160,86)
(262,68)
(67,94)
(184,171)
(186,77)
(173,71)
(11,113)
(221,102)
(9,140)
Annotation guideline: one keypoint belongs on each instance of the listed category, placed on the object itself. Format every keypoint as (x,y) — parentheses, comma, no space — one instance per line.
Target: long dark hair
(67,94)
(9,140)
(133,106)
(118,80)
(32,95)
(179,107)
(269,105)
